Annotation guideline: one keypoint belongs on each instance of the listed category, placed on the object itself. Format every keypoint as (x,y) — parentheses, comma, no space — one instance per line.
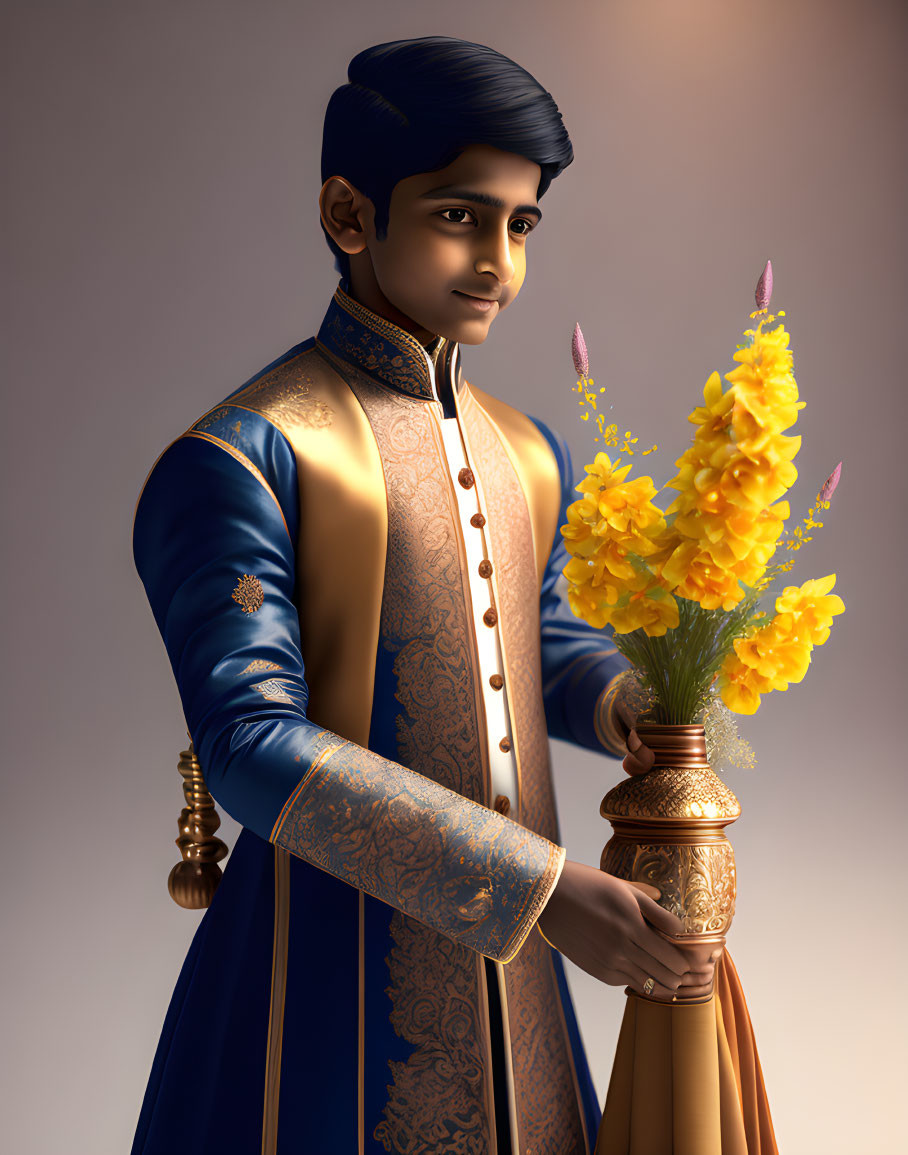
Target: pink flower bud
(763,295)
(829,485)
(579,353)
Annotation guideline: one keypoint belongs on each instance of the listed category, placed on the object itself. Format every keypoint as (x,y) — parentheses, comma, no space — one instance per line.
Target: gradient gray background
(163,245)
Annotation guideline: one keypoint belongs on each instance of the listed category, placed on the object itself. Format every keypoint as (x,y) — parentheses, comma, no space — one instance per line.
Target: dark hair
(413,106)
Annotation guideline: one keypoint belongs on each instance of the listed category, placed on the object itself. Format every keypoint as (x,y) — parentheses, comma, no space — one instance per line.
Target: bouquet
(694,592)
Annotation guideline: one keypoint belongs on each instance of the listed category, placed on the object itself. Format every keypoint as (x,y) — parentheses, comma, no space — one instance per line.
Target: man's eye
(456,216)
(521,226)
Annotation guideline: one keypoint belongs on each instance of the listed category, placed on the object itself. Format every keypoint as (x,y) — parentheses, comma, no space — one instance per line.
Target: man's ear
(346,213)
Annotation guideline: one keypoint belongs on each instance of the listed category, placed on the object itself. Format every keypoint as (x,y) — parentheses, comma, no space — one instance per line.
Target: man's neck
(364,288)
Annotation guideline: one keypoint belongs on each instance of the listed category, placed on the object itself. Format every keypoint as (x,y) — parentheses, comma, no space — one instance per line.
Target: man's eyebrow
(450,192)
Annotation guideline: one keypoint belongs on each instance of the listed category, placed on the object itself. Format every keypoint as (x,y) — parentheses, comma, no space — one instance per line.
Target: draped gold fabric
(687,1079)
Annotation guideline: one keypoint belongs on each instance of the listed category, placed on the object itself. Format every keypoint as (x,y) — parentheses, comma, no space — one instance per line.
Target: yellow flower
(777,654)
(652,610)
(765,390)
(811,608)
(774,655)
(625,506)
(610,529)
(690,572)
(740,687)
(730,480)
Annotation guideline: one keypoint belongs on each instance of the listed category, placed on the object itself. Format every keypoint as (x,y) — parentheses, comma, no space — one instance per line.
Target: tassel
(193,881)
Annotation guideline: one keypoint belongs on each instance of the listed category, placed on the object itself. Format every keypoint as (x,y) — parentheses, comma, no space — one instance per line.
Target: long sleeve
(214,544)
(580,664)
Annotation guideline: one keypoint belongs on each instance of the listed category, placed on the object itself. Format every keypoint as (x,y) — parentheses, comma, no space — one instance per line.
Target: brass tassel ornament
(193,881)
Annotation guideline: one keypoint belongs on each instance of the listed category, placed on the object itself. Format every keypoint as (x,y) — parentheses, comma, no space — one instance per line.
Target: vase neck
(677,746)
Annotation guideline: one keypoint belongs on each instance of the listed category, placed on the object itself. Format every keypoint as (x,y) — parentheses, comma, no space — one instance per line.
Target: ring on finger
(648,986)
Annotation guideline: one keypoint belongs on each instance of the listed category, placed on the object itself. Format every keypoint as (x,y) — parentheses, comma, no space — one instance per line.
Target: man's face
(455,251)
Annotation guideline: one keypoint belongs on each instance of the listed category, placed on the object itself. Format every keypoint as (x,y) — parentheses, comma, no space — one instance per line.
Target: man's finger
(656,916)
(639,758)
(637,981)
(654,949)
(668,976)
(697,979)
(652,892)
(632,765)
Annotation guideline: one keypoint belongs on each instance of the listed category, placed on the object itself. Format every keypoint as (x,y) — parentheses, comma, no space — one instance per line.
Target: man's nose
(495,255)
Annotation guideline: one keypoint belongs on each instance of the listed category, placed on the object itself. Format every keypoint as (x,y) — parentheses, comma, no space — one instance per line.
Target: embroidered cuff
(459,867)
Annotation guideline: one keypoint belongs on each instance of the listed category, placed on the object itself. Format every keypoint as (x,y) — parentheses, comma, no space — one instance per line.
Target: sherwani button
(465,477)
(503,804)
(496,681)
(505,745)
(485,569)
(477,521)
(490,617)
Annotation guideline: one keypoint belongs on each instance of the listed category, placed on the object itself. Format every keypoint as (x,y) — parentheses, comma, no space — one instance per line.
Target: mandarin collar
(388,353)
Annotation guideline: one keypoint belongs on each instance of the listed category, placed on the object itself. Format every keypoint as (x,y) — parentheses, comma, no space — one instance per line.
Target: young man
(353,563)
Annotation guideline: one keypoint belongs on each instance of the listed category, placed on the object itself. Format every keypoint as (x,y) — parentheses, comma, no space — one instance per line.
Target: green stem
(679,666)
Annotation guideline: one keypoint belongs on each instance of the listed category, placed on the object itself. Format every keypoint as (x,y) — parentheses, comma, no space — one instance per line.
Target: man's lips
(483,304)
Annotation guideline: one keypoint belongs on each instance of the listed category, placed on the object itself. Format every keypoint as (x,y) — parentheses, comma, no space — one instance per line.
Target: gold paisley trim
(533,462)
(278,996)
(245,462)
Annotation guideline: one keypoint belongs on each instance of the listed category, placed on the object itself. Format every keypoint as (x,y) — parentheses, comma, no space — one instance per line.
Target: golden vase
(669,831)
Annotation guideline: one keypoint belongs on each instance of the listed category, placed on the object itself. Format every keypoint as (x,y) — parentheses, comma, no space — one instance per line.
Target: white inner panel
(503,764)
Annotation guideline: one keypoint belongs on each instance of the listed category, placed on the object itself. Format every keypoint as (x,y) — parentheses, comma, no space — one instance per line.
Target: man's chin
(467,332)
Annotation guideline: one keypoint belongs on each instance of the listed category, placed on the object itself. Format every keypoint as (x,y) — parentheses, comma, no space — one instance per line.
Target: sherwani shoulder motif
(353,561)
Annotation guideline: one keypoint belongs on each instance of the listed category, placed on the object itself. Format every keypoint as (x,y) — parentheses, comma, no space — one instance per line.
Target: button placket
(480,572)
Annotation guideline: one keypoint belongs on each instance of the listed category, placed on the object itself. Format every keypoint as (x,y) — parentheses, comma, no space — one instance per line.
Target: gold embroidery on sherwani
(442,1095)
(273,690)
(459,868)
(287,390)
(533,462)
(260,666)
(378,346)
(548,1105)
(215,417)
(248,594)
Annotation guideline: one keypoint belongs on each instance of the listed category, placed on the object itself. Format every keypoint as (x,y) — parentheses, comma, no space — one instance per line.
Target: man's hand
(639,757)
(606,926)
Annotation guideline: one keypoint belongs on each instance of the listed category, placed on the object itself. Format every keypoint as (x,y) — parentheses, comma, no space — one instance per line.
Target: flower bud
(763,295)
(579,353)
(829,485)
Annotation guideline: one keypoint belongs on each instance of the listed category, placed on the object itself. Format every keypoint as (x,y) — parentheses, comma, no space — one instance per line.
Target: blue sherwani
(354,564)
